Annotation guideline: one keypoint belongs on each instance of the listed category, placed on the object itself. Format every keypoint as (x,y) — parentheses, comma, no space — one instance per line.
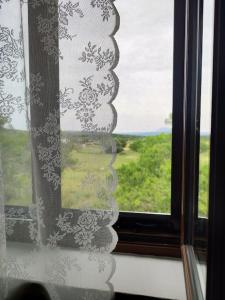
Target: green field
(143,167)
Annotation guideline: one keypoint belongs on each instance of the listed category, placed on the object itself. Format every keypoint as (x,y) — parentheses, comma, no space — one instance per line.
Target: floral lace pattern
(55,26)
(36,86)
(94,54)
(88,101)
(106,8)
(9,104)
(55,245)
(11,70)
(49,154)
(11,50)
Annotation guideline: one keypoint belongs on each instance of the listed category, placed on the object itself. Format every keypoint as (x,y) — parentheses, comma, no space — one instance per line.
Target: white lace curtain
(57,85)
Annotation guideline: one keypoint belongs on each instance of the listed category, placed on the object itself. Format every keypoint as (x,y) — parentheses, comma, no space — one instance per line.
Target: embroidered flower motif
(9,45)
(63,33)
(71,8)
(65,100)
(8,105)
(51,127)
(33,92)
(87,220)
(11,52)
(64,222)
(49,154)
(88,96)
(6,110)
(45,25)
(55,26)
(8,68)
(84,238)
(92,54)
(88,101)
(106,8)
(54,239)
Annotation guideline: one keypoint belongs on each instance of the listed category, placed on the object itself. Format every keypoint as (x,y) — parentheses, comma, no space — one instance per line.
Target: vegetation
(15,159)
(143,166)
(144,184)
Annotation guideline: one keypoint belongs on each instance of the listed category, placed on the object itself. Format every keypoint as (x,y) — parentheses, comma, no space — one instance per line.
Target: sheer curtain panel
(57,86)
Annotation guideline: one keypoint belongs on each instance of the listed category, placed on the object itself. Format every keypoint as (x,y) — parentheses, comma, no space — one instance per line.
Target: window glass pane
(144,105)
(15,152)
(206,98)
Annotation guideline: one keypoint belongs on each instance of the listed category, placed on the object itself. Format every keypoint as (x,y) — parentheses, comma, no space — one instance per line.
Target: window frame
(161,233)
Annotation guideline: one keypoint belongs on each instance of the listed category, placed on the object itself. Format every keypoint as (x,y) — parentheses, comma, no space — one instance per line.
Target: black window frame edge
(192,118)
(191,230)
(212,230)
(216,225)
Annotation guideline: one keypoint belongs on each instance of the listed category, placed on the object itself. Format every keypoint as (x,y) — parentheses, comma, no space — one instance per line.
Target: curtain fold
(57,181)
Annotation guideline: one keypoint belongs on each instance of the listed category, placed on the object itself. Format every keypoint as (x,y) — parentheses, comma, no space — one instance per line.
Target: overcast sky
(145,69)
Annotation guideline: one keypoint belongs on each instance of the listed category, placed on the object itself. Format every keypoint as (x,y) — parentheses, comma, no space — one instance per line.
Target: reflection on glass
(206,96)
(144,105)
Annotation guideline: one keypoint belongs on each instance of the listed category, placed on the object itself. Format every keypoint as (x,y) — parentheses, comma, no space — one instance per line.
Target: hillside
(143,166)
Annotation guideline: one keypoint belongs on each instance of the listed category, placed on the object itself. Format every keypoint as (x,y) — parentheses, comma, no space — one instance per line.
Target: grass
(83,163)
(204,176)
(125,157)
(87,165)
(16,165)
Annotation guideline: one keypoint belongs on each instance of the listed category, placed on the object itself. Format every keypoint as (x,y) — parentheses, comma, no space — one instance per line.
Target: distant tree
(121,143)
(136,145)
(3,121)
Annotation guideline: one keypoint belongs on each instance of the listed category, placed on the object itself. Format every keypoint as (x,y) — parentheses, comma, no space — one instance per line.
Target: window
(154,88)
(165,76)
(150,134)
(144,106)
